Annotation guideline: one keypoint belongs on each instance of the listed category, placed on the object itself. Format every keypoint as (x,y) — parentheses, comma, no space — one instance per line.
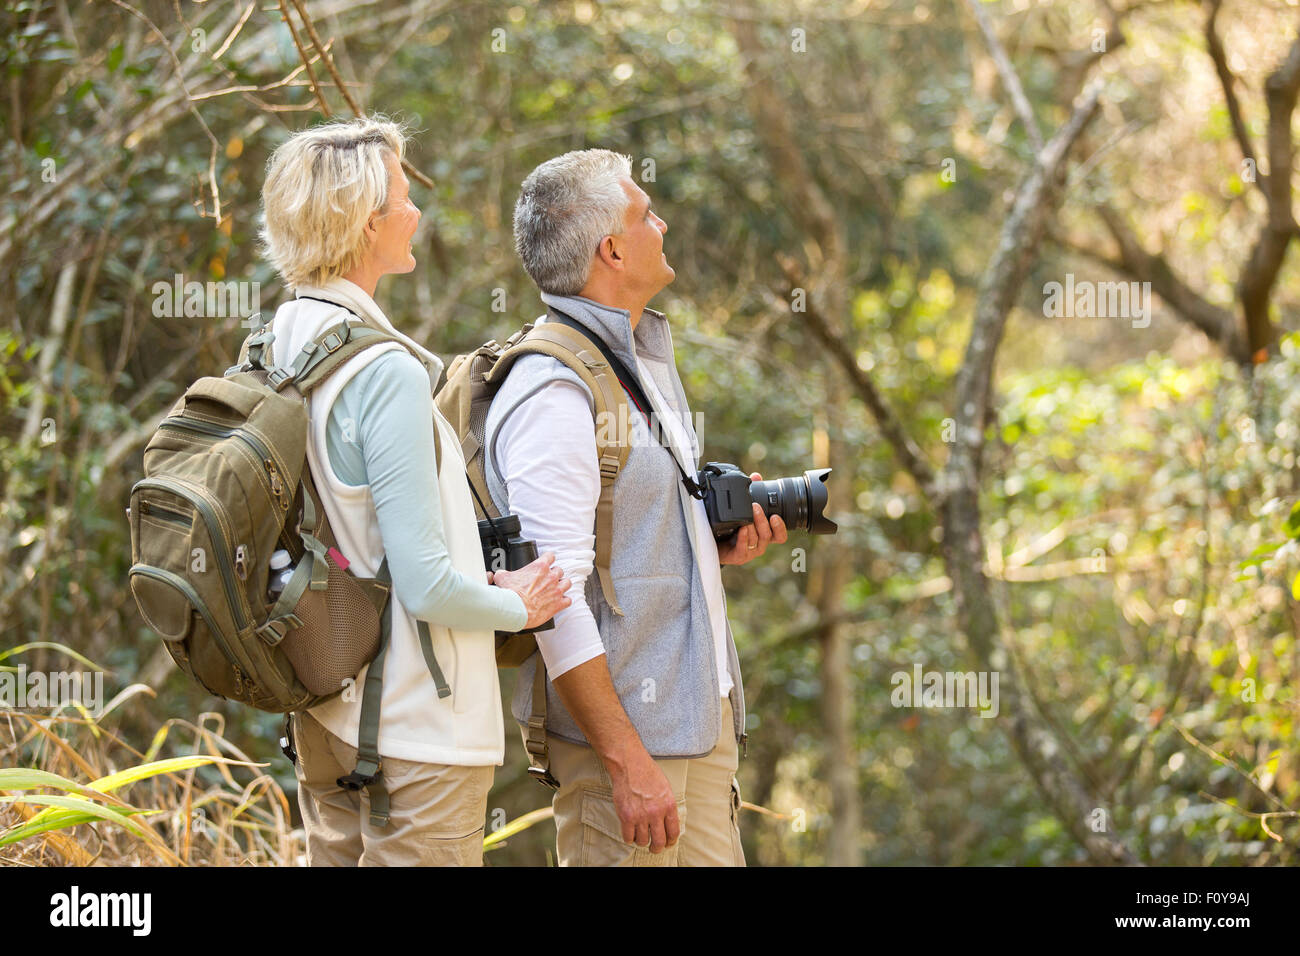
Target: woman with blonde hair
(337,215)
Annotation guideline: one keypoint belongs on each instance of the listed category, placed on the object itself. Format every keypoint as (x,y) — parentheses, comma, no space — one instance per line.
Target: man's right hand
(643,798)
(644,801)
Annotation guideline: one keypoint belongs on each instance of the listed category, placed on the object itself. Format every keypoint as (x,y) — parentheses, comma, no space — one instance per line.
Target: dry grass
(227,813)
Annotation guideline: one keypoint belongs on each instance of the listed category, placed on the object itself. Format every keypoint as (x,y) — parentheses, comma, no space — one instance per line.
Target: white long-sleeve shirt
(546,455)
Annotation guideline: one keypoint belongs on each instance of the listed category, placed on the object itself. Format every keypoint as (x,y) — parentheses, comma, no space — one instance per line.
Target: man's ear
(608,253)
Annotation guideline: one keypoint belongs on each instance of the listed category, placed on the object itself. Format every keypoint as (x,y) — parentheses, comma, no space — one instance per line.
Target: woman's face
(390,245)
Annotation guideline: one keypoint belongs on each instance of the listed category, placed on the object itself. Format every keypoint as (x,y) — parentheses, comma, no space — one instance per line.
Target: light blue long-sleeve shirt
(380,434)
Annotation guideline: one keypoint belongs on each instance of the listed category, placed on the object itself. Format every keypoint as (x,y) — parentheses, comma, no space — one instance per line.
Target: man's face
(642,243)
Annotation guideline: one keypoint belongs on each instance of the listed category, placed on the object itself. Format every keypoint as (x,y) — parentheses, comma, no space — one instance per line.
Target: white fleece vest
(414,723)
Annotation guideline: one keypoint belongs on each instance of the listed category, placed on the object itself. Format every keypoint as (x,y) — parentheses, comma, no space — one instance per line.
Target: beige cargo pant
(588,831)
(437,811)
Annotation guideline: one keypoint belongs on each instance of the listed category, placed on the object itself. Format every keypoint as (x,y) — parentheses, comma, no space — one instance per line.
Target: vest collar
(352,296)
(650,340)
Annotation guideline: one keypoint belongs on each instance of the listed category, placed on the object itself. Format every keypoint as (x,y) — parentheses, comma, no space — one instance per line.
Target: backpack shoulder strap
(577,352)
(325,354)
(320,358)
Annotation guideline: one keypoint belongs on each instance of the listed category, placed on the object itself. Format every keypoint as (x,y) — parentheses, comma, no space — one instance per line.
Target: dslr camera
(728,493)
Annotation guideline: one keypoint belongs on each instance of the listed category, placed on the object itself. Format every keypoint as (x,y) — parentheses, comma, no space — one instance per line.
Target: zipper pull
(241,563)
(277,486)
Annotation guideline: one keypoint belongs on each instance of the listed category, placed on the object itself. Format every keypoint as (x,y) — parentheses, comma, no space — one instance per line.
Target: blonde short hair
(322,185)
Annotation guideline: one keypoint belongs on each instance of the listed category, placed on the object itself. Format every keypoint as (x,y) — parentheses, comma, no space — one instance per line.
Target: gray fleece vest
(660,651)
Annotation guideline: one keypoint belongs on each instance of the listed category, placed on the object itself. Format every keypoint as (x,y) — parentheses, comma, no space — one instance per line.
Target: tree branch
(909,453)
(1214,45)
(1010,81)
(978,617)
(1255,286)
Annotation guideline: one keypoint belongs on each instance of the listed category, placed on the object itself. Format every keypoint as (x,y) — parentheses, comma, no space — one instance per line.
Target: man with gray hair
(644,711)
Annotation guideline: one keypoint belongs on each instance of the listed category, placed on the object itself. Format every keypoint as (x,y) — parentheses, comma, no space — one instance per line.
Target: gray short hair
(566,206)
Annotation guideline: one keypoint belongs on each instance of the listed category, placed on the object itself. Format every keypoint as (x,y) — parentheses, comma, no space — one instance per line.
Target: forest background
(886,219)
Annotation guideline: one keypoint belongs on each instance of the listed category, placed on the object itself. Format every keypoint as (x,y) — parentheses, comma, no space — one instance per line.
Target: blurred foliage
(1139,486)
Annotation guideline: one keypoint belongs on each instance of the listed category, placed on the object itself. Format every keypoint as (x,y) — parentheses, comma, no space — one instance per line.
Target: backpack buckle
(332,342)
(359,781)
(608,467)
(286,740)
(544,777)
(274,630)
(278,376)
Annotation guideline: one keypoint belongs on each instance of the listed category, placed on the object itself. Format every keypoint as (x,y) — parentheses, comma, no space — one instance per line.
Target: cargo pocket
(173,609)
(602,835)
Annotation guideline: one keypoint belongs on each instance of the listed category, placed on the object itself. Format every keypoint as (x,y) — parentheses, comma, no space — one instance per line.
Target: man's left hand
(750,541)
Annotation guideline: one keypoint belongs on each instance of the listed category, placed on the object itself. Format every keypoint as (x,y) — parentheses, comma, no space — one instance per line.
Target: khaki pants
(588,831)
(437,811)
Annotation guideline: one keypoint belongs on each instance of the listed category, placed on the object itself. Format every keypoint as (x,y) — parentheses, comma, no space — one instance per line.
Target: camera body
(505,549)
(729,496)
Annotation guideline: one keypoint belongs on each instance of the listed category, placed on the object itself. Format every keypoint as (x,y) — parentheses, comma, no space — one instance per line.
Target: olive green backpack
(227,484)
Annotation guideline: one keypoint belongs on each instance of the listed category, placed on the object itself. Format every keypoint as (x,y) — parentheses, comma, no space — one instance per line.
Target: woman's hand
(543,587)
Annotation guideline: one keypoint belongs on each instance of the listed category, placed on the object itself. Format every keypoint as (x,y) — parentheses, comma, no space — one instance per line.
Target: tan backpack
(472,381)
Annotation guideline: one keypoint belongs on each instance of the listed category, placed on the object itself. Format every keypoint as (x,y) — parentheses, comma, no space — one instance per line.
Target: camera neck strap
(632,385)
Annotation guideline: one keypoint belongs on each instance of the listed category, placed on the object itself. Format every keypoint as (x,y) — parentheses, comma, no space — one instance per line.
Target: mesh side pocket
(339,633)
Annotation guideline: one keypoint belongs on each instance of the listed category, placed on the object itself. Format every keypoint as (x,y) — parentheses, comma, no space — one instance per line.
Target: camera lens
(801,502)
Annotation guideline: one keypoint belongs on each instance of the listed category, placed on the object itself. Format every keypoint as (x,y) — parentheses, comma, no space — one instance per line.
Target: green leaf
(1292,524)
(24,778)
(518,825)
(50,645)
(80,808)
(132,774)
